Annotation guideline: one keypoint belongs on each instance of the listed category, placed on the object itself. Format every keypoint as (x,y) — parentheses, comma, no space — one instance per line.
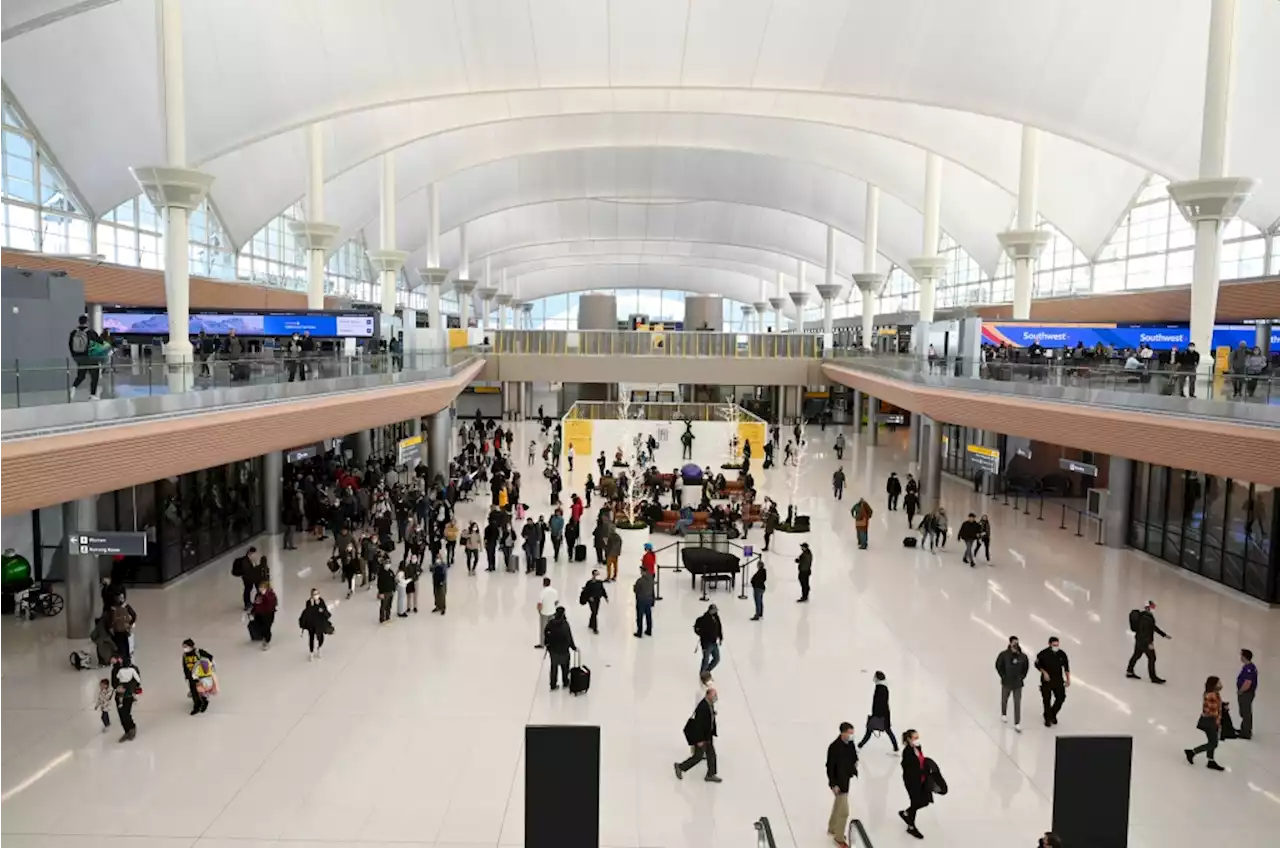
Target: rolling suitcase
(579,676)
(580,553)
(255,632)
(909,542)
(540,566)
(513,563)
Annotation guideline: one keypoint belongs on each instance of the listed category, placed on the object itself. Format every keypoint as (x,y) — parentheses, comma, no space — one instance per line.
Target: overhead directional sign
(987,459)
(107,543)
(1079,467)
(409,450)
(302,454)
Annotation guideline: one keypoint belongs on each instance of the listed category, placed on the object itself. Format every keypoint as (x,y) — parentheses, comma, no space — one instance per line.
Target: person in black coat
(1144,641)
(315,621)
(700,732)
(915,779)
(593,592)
(879,719)
(558,639)
(894,489)
(386,592)
(911,503)
(842,766)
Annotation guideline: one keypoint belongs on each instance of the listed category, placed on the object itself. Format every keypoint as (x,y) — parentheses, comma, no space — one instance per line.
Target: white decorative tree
(732,415)
(630,441)
(797,458)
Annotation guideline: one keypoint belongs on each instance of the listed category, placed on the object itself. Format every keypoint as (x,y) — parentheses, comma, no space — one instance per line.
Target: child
(102,702)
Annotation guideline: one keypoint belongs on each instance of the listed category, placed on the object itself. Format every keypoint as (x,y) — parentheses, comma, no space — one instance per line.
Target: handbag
(877,724)
(1206,724)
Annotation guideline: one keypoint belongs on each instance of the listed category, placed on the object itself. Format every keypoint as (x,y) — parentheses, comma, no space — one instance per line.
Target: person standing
(386,582)
(757,588)
(984,537)
(613,550)
(894,489)
(861,513)
(837,484)
(127,682)
(1246,688)
(842,766)
(804,568)
(555,529)
(492,533)
(968,533)
(879,720)
(1055,676)
(911,503)
(559,641)
(245,568)
(569,457)
(710,637)
(471,544)
(1188,363)
(1144,637)
(264,611)
(593,592)
(547,601)
(121,619)
(315,621)
(915,779)
(191,656)
(1210,724)
(644,591)
(700,732)
(439,585)
(1012,667)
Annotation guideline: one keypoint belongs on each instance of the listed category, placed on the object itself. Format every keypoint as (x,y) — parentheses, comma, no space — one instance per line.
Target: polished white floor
(411,733)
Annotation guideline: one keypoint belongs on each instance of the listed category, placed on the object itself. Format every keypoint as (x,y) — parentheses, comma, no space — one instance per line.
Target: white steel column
(433,275)
(463,284)
(869,283)
(779,302)
(175,190)
(464,262)
(828,289)
(929,266)
(315,212)
(387,260)
(1024,243)
(1212,200)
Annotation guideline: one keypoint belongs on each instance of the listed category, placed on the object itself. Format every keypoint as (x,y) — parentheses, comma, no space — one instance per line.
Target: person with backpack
(558,639)
(593,592)
(555,529)
(894,489)
(264,612)
(80,343)
(122,618)
(757,588)
(842,767)
(191,656)
(837,484)
(1143,624)
(314,621)
(840,446)
(861,513)
(245,568)
(710,637)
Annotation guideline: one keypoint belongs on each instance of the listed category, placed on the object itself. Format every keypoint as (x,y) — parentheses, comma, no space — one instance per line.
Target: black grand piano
(711,565)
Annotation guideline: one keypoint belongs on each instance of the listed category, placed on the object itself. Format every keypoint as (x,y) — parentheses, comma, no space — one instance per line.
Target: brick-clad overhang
(1217,447)
(47,470)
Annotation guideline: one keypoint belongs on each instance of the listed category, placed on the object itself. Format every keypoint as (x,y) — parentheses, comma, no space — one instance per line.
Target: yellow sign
(981,451)
(577,435)
(659,340)
(457,338)
(754,432)
(1221,365)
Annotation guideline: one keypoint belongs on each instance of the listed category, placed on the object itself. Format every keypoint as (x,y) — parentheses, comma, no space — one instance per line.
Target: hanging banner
(988,459)
(577,435)
(754,432)
(409,450)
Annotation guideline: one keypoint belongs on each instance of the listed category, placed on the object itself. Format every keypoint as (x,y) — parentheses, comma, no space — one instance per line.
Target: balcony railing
(681,344)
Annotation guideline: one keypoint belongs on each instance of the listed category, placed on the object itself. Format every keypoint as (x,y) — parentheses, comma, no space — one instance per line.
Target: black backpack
(1135,617)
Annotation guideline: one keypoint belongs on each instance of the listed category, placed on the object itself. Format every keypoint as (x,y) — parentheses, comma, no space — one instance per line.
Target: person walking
(548,599)
(569,457)
(1145,630)
(80,342)
(1210,724)
(757,588)
(1055,676)
(894,490)
(710,638)
(314,621)
(492,534)
(471,544)
(840,446)
(968,533)
(842,766)
(593,592)
(264,612)
(439,586)
(879,719)
(244,567)
(121,618)
(911,504)
(915,779)
(984,537)
(613,550)
(644,592)
(555,529)
(191,657)
(102,702)
(804,568)
(452,532)
(700,732)
(861,513)
(559,641)
(1012,666)
(1246,688)
(126,680)
(837,484)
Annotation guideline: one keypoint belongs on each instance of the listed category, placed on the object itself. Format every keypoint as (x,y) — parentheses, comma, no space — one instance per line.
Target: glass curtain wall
(1219,528)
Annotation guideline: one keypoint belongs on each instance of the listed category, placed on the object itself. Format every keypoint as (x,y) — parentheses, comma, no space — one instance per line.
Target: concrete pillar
(913,440)
(415,429)
(1023,244)
(931,466)
(1262,339)
(439,430)
(82,571)
(95,317)
(869,283)
(1115,521)
(873,419)
(272,486)
(363,447)
(704,312)
(598,312)
(857,412)
(991,439)
(928,267)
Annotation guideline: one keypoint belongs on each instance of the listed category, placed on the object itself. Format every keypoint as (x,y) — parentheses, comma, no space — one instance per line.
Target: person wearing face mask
(314,620)
(700,732)
(1012,667)
(915,778)
(1055,676)
(191,655)
(842,766)
(1210,724)
(1188,362)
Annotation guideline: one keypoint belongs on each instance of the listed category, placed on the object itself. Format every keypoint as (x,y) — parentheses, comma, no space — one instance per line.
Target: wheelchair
(38,600)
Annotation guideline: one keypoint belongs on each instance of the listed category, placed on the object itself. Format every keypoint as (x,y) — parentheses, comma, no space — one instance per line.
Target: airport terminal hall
(639,423)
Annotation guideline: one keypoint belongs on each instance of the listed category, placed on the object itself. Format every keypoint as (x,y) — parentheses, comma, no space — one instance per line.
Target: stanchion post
(1026,505)
(1079,522)
(1063,524)
(1040,517)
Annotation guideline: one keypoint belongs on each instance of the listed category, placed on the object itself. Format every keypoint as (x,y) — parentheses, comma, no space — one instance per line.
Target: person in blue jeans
(710,635)
(757,589)
(644,604)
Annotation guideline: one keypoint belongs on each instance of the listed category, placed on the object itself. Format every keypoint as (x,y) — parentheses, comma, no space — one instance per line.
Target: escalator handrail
(764,834)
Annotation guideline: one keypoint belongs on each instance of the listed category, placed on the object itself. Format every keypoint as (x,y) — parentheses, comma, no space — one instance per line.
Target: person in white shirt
(569,456)
(1132,363)
(1145,353)
(546,608)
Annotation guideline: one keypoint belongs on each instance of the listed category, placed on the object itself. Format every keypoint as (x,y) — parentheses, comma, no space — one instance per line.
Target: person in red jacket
(649,562)
(264,611)
(576,509)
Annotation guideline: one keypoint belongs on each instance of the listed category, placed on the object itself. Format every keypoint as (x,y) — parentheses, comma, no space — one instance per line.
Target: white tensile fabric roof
(716,135)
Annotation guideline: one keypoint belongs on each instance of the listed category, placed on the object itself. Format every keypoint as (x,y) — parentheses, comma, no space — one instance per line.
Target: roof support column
(315,236)
(799,297)
(503,299)
(827,290)
(486,292)
(779,302)
(462,282)
(1210,202)
(175,190)
(929,265)
(869,283)
(1025,243)
(762,305)
(387,260)
(433,276)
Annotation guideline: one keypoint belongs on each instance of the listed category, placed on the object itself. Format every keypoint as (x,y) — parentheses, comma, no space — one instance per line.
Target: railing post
(1063,524)
(1026,505)
(1040,517)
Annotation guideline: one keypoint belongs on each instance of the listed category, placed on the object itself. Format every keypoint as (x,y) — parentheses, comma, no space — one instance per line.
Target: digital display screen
(244,323)
(1156,336)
